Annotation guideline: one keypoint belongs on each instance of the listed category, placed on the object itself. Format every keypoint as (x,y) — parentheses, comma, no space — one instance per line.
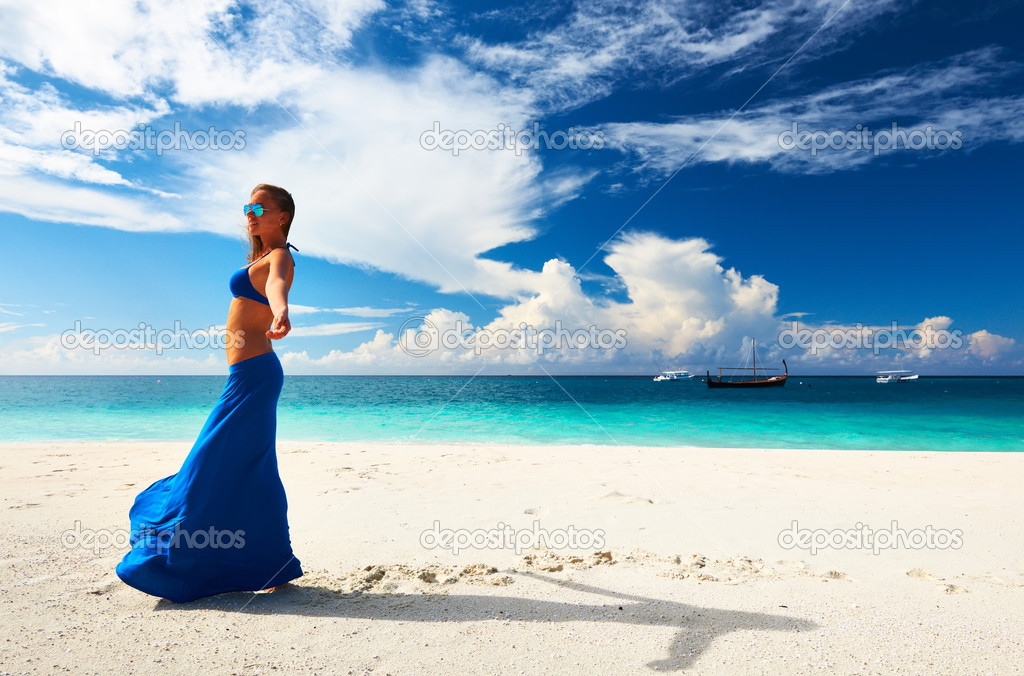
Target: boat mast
(754,344)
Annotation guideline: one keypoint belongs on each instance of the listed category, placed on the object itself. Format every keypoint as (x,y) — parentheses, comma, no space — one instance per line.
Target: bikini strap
(287,244)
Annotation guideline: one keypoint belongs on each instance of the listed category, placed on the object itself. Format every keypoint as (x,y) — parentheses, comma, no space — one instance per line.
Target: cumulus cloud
(683,304)
(683,309)
(935,345)
(989,346)
(369,194)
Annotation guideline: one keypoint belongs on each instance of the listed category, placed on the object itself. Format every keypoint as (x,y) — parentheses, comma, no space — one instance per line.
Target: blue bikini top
(241,285)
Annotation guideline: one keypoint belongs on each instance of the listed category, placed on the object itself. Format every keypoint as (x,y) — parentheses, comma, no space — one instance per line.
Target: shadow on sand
(697,627)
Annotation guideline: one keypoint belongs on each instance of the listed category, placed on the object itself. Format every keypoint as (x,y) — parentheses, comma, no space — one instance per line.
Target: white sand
(690,574)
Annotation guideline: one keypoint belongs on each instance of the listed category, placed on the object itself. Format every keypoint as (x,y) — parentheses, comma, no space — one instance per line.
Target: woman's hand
(281,326)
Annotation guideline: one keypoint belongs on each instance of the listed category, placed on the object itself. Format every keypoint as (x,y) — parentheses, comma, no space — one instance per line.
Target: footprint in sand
(630,499)
(105,589)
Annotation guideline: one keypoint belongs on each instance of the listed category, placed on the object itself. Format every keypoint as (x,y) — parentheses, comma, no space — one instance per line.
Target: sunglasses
(256,209)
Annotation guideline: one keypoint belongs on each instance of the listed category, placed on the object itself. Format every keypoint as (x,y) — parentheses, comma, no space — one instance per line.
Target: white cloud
(602,44)
(989,346)
(929,96)
(200,48)
(56,201)
(335,329)
(353,311)
(684,309)
(6,327)
(194,52)
(34,124)
(4,310)
(932,345)
(46,355)
(367,193)
(22,160)
(683,305)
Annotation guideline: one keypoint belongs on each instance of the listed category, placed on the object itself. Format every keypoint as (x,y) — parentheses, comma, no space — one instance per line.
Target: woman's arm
(281,267)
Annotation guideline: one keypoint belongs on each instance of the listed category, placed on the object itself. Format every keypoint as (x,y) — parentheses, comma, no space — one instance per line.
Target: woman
(220,524)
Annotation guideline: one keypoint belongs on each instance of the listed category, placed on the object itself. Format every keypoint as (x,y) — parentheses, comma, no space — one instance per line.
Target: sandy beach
(688,559)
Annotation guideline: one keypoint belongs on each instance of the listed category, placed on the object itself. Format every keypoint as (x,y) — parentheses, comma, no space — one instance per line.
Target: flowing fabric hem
(228,491)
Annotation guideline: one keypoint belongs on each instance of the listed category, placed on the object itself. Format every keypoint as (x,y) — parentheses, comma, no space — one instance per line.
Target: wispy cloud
(602,45)
(336,329)
(9,326)
(4,309)
(948,96)
(353,311)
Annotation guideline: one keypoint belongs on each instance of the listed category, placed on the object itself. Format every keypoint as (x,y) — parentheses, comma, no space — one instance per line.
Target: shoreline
(690,552)
(441,443)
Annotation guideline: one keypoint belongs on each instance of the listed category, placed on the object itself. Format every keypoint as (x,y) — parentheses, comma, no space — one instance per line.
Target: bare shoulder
(281,257)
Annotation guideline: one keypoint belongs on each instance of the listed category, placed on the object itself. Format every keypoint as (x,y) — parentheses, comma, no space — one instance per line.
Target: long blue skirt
(220,524)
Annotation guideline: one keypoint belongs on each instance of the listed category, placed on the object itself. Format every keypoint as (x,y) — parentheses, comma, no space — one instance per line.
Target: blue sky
(687,224)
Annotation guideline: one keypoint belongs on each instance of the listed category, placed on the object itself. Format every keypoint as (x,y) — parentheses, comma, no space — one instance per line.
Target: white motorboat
(899,376)
(673,375)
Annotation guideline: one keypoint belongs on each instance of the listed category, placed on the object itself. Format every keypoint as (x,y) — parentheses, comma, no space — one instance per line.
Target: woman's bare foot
(271,590)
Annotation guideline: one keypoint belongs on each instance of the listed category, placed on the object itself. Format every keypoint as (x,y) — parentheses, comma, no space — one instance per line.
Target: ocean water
(945,414)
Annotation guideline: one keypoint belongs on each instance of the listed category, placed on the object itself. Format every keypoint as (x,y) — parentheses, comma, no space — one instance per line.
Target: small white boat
(895,376)
(673,375)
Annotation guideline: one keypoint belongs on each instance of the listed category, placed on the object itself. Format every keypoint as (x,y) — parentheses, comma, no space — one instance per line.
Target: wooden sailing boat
(770,381)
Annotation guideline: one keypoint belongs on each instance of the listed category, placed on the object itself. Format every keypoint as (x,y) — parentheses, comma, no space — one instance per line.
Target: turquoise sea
(948,414)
